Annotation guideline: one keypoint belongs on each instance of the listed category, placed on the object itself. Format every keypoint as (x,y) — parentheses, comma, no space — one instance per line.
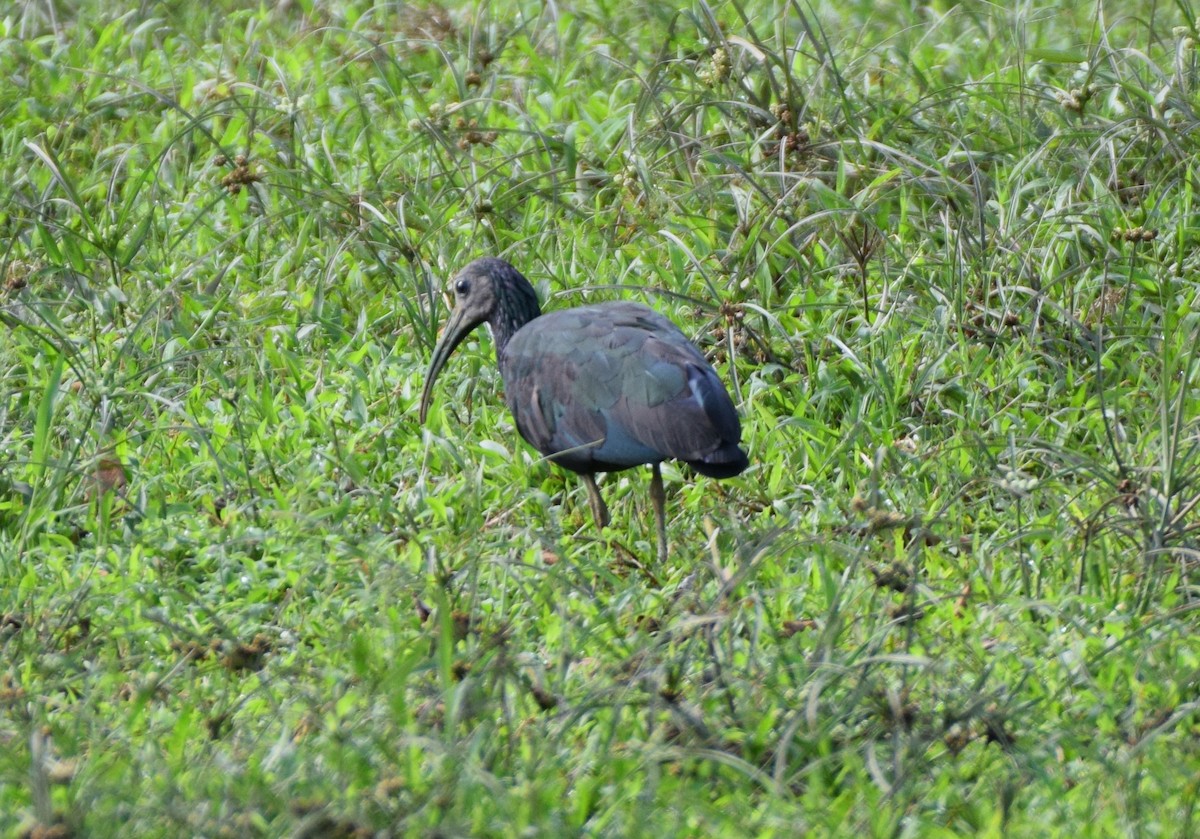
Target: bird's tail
(725,462)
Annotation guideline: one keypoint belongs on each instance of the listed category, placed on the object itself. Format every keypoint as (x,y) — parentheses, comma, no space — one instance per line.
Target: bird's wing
(614,385)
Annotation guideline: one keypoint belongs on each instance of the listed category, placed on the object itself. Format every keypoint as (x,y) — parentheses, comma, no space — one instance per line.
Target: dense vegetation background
(944,255)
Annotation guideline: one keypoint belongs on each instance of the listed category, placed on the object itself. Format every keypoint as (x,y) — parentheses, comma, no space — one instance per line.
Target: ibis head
(487,291)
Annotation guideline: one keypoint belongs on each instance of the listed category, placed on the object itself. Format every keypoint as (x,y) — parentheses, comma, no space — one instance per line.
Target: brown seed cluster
(791,627)
(234,656)
(241,176)
(109,476)
(791,139)
(17,273)
(1134,234)
(470,135)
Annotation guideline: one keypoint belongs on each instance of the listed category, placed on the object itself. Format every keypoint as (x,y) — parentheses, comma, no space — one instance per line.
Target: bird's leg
(599,510)
(658,497)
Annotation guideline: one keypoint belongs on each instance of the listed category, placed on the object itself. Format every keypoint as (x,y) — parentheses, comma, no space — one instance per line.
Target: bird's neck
(505,323)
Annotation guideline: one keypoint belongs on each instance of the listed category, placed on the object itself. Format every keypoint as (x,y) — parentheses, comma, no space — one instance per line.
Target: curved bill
(458,328)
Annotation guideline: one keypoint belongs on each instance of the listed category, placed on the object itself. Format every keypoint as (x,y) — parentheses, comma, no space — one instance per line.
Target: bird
(596,388)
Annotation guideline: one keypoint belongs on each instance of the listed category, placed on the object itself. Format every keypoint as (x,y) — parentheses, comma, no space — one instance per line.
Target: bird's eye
(462,288)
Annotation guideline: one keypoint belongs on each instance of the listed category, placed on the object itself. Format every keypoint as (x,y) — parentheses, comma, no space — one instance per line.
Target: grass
(944,257)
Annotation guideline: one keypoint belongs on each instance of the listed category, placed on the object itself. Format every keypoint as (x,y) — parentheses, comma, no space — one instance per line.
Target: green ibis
(596,388)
